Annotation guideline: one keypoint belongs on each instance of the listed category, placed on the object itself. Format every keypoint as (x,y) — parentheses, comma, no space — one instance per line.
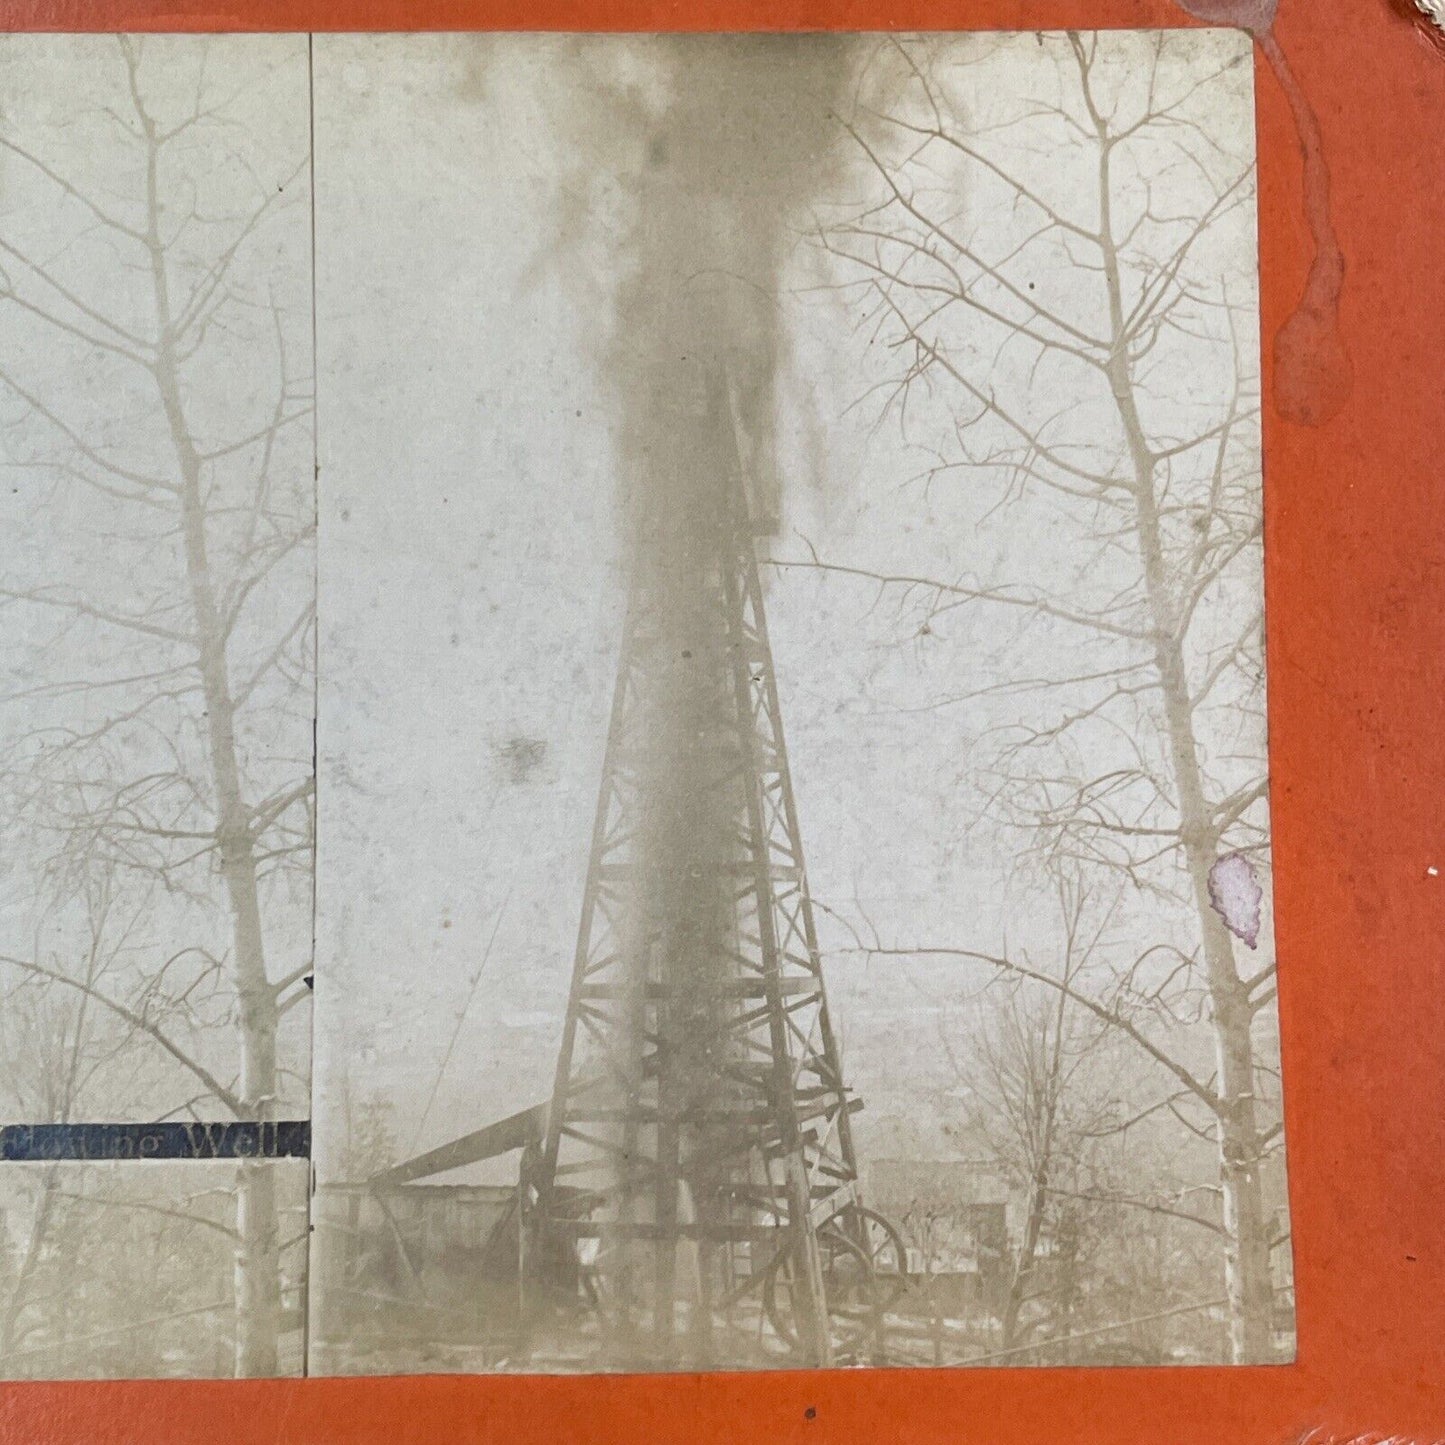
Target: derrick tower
(698,1151)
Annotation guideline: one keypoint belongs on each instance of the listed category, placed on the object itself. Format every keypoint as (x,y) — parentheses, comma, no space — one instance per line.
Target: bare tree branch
(137,1021)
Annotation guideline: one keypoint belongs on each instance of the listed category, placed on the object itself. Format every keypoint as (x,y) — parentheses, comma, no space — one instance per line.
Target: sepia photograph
(632,706)
(793,873)
(719,724)
(157,683)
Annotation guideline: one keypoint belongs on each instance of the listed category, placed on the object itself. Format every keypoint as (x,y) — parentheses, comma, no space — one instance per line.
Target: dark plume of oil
(738,141)
(743,143)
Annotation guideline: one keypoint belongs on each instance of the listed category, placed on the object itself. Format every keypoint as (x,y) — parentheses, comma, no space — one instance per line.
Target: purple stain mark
(1322,1436)
(1313,376)
(1236,895)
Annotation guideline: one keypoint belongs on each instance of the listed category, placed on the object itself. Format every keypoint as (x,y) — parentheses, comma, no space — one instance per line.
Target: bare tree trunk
(1049,1086)
(1247,1275)
(258,1275)
(1023,1269)
(258,1271)
(258,1282)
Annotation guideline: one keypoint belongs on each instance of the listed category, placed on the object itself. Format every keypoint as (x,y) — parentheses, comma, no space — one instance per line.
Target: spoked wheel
(864,1275)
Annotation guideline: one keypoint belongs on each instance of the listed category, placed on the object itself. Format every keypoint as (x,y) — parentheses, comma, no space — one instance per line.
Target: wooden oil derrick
(698,1152)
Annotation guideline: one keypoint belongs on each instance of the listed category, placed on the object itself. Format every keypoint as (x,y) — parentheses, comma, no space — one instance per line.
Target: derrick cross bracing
(698,1147)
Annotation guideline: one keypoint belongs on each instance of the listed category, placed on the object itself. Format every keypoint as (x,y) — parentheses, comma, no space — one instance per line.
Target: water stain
(521,757)
(1313,375)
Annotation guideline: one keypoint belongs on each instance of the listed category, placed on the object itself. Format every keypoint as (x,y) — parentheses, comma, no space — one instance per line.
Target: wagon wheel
(864,1275)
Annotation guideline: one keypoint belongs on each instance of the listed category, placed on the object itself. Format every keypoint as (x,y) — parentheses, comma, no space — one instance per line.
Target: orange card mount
(1351,107)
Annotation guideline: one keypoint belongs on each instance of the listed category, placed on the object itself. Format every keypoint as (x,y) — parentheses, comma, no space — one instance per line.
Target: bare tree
(1050,1091)
(1060,290)
(169,604)
(1025,1069)
(47,1052)
(61,1059)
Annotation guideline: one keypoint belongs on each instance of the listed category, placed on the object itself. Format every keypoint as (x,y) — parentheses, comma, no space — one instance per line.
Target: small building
(953,1215)
(417,1263)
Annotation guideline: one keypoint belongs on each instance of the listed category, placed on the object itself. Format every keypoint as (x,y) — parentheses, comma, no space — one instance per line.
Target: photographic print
(156,704)
(713,587)
(793,884)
